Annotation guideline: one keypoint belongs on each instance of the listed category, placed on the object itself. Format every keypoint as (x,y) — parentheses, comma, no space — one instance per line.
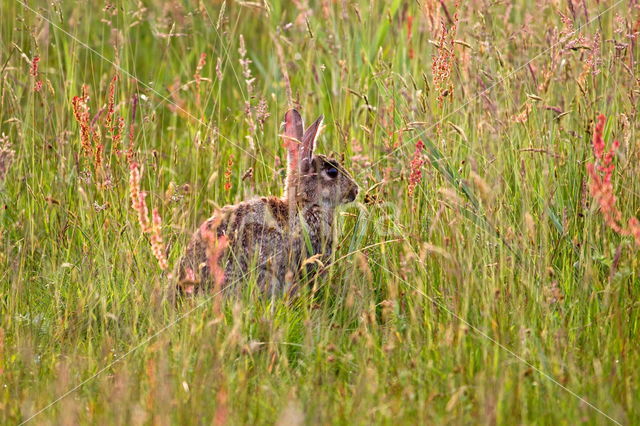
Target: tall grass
(475,279)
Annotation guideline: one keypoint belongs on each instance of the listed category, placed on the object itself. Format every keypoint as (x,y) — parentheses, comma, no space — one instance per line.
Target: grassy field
(482,276)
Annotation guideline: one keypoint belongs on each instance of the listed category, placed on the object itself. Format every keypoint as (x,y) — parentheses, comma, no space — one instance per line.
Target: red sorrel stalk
(37,85)
(601,186)
(442,65)
(81,113)
(152,227)
(416,167)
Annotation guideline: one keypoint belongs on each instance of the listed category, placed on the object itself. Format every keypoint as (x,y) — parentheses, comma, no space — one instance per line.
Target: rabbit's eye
(332,172)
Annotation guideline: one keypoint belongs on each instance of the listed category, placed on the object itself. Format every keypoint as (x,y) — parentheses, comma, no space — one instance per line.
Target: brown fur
(272,236)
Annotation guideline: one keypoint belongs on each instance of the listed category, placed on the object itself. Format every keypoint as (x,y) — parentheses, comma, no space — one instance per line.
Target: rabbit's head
(325,182)
(313,178)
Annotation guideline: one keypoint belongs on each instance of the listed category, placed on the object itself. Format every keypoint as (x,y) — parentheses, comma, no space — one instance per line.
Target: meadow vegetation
(487,273)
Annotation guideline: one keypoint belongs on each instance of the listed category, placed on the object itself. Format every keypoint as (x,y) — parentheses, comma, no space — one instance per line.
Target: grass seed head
(6,156)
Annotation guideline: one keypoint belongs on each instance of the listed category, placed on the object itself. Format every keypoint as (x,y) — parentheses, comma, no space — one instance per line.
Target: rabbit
(272,237)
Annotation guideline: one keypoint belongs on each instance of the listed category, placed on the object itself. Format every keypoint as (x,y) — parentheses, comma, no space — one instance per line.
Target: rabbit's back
(260,242)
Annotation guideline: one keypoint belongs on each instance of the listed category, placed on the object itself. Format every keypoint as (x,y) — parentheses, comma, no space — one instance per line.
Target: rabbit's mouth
(351,196)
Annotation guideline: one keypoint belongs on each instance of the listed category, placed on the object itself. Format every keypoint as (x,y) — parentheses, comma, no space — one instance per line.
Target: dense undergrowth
(479,277)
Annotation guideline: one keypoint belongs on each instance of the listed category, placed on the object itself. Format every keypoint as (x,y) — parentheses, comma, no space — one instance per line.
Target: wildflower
(34,73)
(442,64)
(157,245)
(634,229)
(34,66)
(152,228)
(97,159)
(601,187)
(98,147)
(138,196)
(416,165)
(227,174)
(600,173)
(117,135)
(81,113)
(111,101)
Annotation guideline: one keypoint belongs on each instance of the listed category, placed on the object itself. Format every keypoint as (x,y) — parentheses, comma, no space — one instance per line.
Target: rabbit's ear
(293,126)
(293,129)
(292,138)
(309,139)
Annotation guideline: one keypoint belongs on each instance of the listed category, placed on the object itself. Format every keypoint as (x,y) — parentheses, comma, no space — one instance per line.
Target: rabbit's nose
(352,194)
